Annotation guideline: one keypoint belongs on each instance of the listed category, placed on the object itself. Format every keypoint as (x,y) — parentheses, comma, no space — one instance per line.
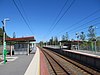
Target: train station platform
(90,58)
(16,64)
(33,64)
(38,65)
(80,51)
(89,52)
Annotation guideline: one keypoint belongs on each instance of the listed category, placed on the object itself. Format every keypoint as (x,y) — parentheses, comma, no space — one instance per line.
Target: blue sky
(41,14)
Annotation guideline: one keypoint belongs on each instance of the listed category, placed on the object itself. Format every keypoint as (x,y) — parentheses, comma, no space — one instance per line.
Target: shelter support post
(28,48)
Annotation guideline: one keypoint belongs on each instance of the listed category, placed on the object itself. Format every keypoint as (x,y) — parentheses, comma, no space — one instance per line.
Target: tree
(56,41)
(41,43)
(77,35)
(14,35)
(92,37)
(91,33)
(51,41)
(82,36)
(63,37)
(66,36)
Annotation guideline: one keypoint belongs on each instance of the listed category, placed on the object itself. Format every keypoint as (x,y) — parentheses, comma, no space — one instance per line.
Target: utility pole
(77,35)
(95,45)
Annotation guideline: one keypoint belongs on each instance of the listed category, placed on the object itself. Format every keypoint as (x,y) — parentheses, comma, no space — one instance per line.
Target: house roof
(24,39)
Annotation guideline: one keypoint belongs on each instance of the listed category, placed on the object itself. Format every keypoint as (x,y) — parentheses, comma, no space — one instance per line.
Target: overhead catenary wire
(86,28)
(22,16)
(59,14)
(70,27)
(24,11)
(82,29)
(57,17)
(84,24)
(80,26)
(77,28)
(61,17)
(96,24)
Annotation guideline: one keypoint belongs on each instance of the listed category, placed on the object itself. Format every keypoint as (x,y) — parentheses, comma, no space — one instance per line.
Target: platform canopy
(22,39)
(71,42)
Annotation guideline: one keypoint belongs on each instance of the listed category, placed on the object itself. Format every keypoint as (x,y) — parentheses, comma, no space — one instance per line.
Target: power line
(70,27)
(59,13)
(96,24)
(57,16)
(22,16)
(88,27)
(61,16)
(24,11)
(76,28)
(80,26)
(84,24)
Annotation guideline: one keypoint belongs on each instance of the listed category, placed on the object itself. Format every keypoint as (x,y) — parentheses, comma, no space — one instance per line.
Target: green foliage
(65,37)
(98,43)
(41,43)
(91,33)
(82,36)
(56,42)
(1,32)
(1,36)
(53,41)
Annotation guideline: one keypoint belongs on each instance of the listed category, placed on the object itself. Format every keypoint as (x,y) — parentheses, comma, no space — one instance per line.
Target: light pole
(77,35)
(95,38)
(4,43)
(95,45)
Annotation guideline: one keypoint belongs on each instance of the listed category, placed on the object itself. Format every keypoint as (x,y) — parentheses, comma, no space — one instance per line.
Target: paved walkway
(16,67)
(34,67)
(89,52)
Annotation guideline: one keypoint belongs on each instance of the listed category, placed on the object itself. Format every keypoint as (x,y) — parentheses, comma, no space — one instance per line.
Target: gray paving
(89,52)
(17,67)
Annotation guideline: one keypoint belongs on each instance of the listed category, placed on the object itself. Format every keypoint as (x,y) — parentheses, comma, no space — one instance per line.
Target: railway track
(61,65)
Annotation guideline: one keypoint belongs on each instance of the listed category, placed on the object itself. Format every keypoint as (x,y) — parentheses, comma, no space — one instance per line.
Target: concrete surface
(16,67)
(34,67)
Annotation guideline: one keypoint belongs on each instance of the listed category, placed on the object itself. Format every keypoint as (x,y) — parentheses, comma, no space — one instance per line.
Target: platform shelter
(70,44)
(21,45)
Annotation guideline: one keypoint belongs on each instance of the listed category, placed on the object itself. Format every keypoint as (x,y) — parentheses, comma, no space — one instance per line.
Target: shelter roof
(24,39)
